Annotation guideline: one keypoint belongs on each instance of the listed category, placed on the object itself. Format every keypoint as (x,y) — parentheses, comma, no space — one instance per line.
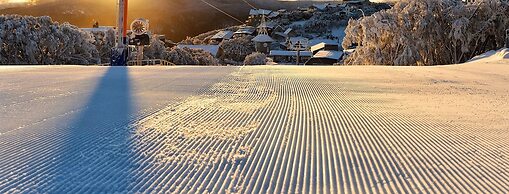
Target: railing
(150,62)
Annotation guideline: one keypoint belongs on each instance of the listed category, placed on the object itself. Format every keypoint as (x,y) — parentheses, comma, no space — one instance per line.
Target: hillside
(177,18)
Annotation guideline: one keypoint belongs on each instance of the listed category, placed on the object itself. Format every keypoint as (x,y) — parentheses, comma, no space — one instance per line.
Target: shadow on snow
(96,153)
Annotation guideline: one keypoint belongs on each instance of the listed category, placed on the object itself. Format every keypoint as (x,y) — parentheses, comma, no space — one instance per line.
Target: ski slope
(265,129)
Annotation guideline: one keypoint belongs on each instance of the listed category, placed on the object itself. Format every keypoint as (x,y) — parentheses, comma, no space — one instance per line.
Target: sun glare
(19,1)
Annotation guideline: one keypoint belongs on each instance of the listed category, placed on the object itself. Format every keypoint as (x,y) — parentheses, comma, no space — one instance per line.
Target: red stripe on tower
(126,5)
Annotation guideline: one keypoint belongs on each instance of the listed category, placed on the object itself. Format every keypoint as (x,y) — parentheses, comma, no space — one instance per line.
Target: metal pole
(507,38)
(122,23)
(120,52)
(298,52)
(298,57)
(139,58)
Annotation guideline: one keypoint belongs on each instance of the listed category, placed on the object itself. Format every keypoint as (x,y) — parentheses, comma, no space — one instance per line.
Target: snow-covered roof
(212,49)
(256,12)
(263,38)
(281,34)
(298,39)
(316,41)
(287,31)
(245,30)
(318,46)
(274,14)
(223,35)
(336,55)
(321,46)
(290,53)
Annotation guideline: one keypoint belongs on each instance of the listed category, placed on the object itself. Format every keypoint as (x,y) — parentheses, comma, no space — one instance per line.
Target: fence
(150,62)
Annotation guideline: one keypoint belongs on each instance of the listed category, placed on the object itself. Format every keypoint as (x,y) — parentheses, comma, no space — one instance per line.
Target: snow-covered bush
(186,56)
(237,49)
(39,40)
(256,59)
(427,32)
(204,58)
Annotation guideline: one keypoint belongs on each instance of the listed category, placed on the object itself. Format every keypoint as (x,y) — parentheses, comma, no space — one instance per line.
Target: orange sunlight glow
(18,1)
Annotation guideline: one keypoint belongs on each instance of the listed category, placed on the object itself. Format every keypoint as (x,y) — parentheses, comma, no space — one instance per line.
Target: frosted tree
(427,32)
(256,59)
(237,49)
(321,22)
(180,56)
(187,56)
(204,58)
(104,41)
(156,50)
(39,40)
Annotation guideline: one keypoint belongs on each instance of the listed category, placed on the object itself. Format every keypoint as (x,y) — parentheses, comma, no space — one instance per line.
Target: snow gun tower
(120,52)
(141,38)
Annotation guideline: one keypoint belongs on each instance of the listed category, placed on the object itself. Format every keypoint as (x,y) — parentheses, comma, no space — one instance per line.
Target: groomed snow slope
(266,129)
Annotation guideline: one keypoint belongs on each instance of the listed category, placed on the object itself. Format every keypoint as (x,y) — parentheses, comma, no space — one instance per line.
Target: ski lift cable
(251,5)
(224,12)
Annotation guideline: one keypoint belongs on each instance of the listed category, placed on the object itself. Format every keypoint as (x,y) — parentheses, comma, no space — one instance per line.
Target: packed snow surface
(264,129)
(491,56)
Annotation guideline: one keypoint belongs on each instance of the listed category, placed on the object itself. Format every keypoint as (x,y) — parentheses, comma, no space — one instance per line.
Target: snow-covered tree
(238,48)
(256,59)
(321,22)
(192,41)
(104,42)
(180,56)
(39,40)
(204,58)
(187,56)
(156,50)
(427,32)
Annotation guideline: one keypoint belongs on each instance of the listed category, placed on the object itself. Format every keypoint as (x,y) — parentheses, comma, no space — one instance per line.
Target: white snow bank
(6,68)
(490,56)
